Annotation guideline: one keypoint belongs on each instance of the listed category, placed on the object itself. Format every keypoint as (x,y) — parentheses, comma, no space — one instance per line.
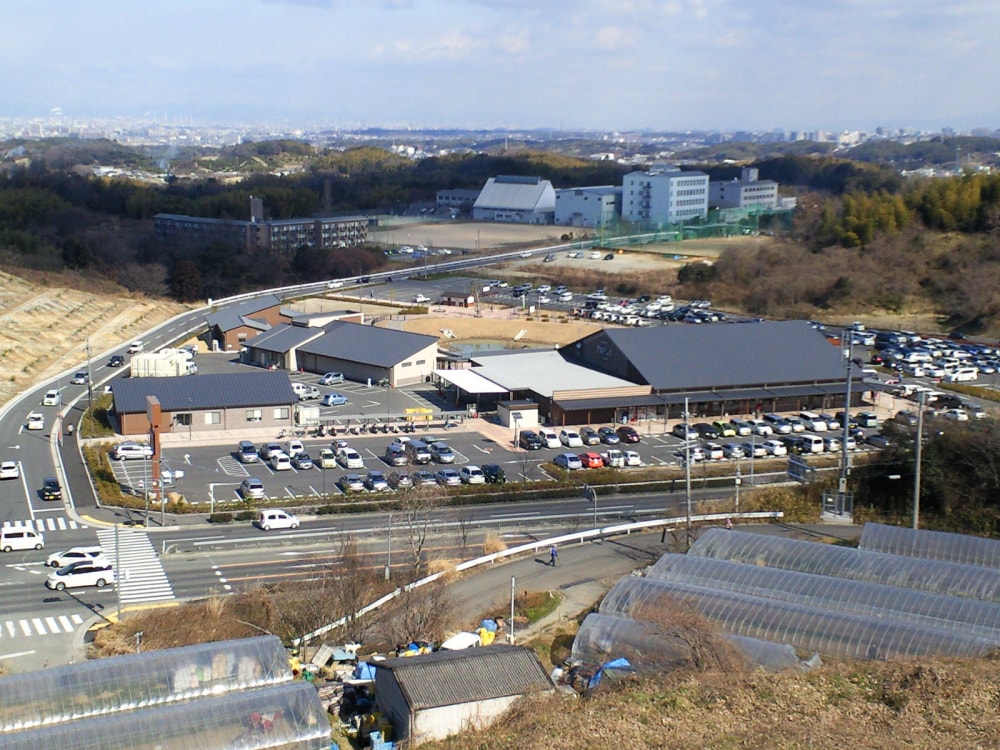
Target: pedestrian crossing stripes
(59,523)
(141,577)
(33,626)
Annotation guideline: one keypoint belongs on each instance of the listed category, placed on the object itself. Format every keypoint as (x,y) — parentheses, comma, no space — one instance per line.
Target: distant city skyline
(600,65)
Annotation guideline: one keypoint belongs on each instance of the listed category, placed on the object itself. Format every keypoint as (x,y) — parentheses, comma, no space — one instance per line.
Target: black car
(494,473)
(51,489)
(530,441)
(628,434)
(705,430)
(117,360)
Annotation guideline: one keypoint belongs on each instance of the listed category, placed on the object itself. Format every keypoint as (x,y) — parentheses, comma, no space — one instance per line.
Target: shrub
(246,515)
(224,517)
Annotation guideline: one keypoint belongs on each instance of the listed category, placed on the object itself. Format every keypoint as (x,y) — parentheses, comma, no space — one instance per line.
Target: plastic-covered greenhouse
(137,681)
(283,716)
(977,618)
(934,576)
(932,545)
(602,637)
(808,629)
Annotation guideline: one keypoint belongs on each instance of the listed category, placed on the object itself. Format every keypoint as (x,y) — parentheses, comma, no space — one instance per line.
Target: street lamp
(589,493)
(388,553)
(516,416)
(190,418)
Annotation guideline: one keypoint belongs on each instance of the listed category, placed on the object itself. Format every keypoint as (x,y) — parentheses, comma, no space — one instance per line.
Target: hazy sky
(603,64)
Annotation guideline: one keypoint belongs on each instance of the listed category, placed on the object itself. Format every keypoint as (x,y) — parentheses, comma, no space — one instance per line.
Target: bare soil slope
(46,328)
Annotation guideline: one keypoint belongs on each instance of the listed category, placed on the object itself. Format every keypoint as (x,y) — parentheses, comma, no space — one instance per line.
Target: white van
(810,443)
(813,422)
(962,375)
(549,437)
(20,538)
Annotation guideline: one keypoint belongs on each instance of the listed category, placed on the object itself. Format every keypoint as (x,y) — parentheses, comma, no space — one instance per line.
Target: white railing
(534,547)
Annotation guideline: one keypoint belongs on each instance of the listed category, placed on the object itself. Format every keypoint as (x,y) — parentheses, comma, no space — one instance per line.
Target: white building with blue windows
(664,196)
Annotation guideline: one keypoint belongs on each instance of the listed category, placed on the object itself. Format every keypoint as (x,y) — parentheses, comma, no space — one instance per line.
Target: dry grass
(493,544)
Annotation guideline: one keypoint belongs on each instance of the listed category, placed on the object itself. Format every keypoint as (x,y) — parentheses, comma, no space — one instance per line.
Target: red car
(591,461)
(628,434)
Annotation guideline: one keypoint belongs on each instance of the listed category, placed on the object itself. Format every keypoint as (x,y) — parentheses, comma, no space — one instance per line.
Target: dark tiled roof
(720,355)
(369,345)
(228,390)
(282,338)
(447,678)
(231,317)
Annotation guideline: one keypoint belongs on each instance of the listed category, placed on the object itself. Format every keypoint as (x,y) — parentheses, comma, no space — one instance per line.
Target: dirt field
(46,328)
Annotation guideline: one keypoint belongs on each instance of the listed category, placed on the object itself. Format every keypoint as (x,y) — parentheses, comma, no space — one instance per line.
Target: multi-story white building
(588,206)
(667,196)
(746,192)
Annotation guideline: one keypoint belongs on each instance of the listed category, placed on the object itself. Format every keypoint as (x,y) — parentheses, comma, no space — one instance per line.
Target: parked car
(684,431)
(957,415)
(778,424)
(327,459)
(714,452)
(494,473)
(268,449)
(280,462)
(442,452)
(72,555)
(98,572)
(376,481)
(832,423)
(628,434)
(395,455)
(252,488)
(775,448)
(591,460)
(351,483)
(570,438)
(733,450)
(401,480)
(293,448)
(247,452)
(760,427)
(705,430)
(530,441)
(741,426)
(117,360)
(609,436)
(724,429)
(309,392)
(350,459)
(813,421)
(754,450)
(51,489)
(424,478)
(878,440)
(797,424)
(332,378)
(448,477)
(549,437)
(302,461)
(52,398)
(421,298)
(334,399)
(10,470)
(632,458)
(275,518)
(35,421)
(130,450)
(590,436)
(568,461)
(472,474)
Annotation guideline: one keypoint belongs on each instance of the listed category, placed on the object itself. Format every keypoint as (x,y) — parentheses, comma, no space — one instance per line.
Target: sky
(566,64)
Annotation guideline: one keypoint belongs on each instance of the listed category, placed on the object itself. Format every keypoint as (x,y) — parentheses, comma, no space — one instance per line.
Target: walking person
(554,556)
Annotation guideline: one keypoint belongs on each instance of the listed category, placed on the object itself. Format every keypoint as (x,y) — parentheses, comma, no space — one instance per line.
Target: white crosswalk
(141,577)
(33,626)
(49,523)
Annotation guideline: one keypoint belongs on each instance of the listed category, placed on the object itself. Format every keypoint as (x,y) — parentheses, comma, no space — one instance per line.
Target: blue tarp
(364,671)
(615,664)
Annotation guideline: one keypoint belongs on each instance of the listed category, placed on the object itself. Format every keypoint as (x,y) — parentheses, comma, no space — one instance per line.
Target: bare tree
(423,614)
(415,512)
(463,529)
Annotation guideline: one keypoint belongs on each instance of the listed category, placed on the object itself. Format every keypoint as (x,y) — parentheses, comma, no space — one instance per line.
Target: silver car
(448,477)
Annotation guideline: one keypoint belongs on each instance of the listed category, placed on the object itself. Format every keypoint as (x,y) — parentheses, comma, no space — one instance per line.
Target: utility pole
(845,462)
(90,384)
(919,450)
(687,470)
(388,552)
(512,589)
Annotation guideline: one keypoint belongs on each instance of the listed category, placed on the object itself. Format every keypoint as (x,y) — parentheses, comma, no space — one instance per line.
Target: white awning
(470,381)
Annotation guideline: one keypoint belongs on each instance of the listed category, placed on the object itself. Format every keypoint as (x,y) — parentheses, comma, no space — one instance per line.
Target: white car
(760,427)
(10,470)
(957,415)
(350,459)
(294,448)
(632,458)
(775,448)
(79,378)
(35,421)
(281,462)
(420,298)
(97,572)
(571,438)
(52,398)
(72,555)
(276,519)
(472,474)
(130,450)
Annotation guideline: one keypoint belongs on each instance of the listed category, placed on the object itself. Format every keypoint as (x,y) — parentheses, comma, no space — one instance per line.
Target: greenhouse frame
(934,576)
(931,545)
(137,681)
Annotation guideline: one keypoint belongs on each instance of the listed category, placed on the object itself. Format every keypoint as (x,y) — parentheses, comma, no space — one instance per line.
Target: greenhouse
(283,716)
(977,618)
(933,576)
(139,681)
(807,629)
(932,545)
(602,637)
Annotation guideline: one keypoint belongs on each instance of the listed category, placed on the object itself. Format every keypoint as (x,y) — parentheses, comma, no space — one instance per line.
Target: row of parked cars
(571,437)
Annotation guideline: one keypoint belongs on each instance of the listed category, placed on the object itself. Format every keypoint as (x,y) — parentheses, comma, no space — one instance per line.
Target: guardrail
(534,547)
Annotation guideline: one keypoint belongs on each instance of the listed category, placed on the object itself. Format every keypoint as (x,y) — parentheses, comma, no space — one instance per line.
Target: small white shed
(520,415)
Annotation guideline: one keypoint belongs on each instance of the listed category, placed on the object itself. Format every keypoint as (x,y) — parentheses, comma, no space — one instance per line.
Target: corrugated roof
(282,338)
(370,345)
(678,357)
(536,195)
(230,317)
(198,392)
(447,678)
(470,381)
(542,372)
